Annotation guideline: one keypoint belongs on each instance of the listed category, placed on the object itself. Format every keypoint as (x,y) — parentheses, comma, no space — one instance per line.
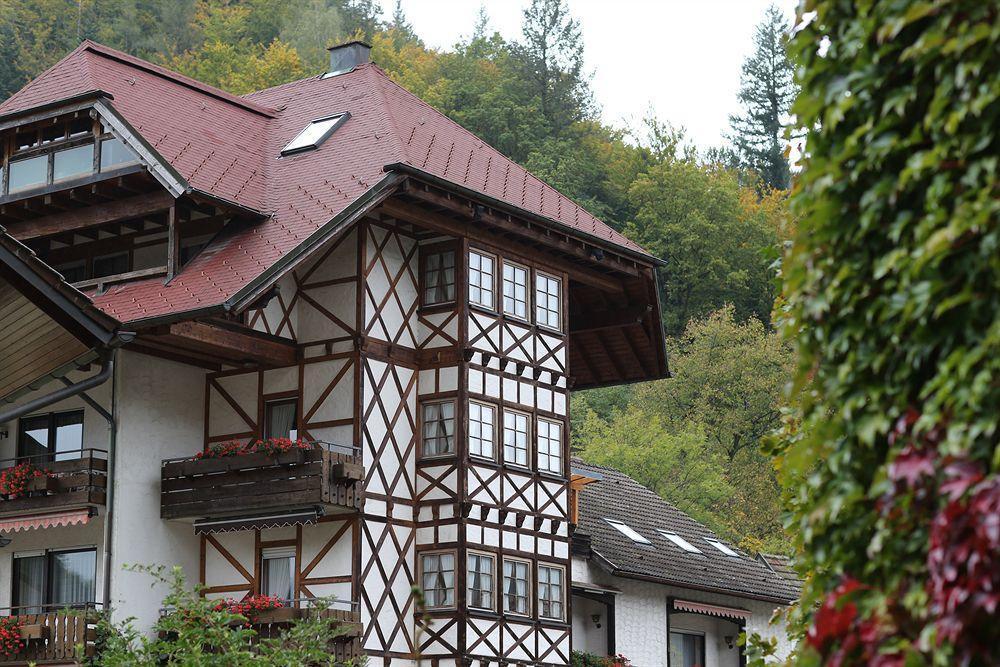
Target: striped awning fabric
(256,522)
(46,520)
(711,610)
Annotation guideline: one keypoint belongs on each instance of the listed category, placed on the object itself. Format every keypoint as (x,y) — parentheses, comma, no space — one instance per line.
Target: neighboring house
(331,261)
(651,583)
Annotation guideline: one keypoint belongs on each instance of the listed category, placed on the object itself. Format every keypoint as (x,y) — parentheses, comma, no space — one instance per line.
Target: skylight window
(627,531)
(314,134)
(680,541)
(721,547)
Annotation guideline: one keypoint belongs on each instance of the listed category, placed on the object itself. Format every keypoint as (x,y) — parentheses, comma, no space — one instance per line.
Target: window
(515,587)
(515,290)
(627,531)
(314,134)
(547,311)
(439,278)
(724,548)
(680,541)
(52,437)
(28,173)
(550,592)
(437,576)
(277,572)
(482,429)
(114,153)
(280,419)
(439,429)
(482,274)
(111,265)
(73,272)
(515,438)
(53,579)
(550,446)
(480,581)
(72,162)
(687,649)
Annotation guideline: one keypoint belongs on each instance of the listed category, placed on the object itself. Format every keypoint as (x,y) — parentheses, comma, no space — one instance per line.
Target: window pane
(280,420)
(312,136)
(69,435)
(73,272)
(549,446)
(278,576)
(73,162)
(515,438)
(29,583)
(515,290)
(28,173)
(439,278)
(439,429)
(482,431)
(481,280)
(480,581)
(438,578)
(550,592)
(547,301)
(33,440)
(114,153)
(687,650)
(515,587)
(73,577)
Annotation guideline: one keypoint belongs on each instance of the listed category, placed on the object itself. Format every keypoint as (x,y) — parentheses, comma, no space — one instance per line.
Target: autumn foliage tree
(893,293)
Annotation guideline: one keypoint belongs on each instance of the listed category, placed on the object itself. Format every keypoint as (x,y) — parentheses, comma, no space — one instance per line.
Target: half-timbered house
(330,261)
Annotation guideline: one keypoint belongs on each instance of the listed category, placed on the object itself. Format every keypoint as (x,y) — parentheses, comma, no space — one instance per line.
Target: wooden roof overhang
(615,332)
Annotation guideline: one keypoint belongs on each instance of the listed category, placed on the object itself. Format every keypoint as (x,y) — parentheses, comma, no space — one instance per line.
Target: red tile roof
(229,147)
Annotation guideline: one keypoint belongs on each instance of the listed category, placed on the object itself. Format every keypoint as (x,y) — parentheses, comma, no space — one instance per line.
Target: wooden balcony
(77,482)
(208,488)
(54,637)
(272,622)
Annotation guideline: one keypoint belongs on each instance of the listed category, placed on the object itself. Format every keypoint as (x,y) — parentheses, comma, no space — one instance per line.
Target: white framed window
(679,541)
(549,438)
(277,572)
(482,279)
(480,577)
(550,591)
(439,277)
(548,294)
(515,290)
(627,531)
(280,419)
(482,429)
(437,579)
(515,438)
(721,546)
(438,428)
(516,576)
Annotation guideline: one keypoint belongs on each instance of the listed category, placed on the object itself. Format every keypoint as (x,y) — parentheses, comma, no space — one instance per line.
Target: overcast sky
(680,57)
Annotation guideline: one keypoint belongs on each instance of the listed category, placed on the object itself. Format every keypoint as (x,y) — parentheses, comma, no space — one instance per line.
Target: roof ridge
(177,77)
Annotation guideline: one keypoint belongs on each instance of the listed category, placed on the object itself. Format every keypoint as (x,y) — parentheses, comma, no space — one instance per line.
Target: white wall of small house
(160,415)
(641,620)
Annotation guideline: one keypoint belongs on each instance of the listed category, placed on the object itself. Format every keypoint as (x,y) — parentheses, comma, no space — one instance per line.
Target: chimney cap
(345,57)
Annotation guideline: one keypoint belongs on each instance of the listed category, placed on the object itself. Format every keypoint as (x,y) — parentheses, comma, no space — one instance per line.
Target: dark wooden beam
(173,244)
(114,211)
(227,344)
(610,319)
(441,223)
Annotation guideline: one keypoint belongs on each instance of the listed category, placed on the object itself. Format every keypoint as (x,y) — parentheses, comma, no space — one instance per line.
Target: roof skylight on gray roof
(627,531)
(314,134)
(679,541)
(721,547)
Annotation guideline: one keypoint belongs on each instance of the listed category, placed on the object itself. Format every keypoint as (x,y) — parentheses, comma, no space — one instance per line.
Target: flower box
(35,631)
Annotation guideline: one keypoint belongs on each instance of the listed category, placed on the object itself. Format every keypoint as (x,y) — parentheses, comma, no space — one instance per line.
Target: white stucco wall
(641,620)
(160,407)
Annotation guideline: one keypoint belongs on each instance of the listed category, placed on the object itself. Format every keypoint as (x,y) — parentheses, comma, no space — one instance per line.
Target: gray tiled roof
(618,496)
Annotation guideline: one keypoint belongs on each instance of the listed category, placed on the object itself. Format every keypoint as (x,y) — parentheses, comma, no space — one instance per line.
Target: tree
(892,289)
(196,630)
(766,93)
(551,56)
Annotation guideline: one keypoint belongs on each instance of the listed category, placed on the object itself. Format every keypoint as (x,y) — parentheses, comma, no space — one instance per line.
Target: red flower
(273,446)
(14,481)
(10,636)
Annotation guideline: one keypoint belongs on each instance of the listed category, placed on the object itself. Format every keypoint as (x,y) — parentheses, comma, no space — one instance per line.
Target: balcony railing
(54,635)
(328,476)
(74,479)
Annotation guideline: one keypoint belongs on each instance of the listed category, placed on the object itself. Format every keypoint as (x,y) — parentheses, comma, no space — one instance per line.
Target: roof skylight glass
(721,547)
(680,541)
(314,134)
(627,531)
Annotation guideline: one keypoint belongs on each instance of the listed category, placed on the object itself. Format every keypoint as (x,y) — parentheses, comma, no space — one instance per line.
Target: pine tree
(402,29)
(767,90)
(552,56)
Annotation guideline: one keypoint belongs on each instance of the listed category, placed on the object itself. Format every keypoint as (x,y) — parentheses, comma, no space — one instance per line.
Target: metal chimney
(347,56)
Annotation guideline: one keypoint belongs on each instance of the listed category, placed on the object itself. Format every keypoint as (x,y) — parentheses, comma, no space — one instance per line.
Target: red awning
(47,520)
(711,610)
